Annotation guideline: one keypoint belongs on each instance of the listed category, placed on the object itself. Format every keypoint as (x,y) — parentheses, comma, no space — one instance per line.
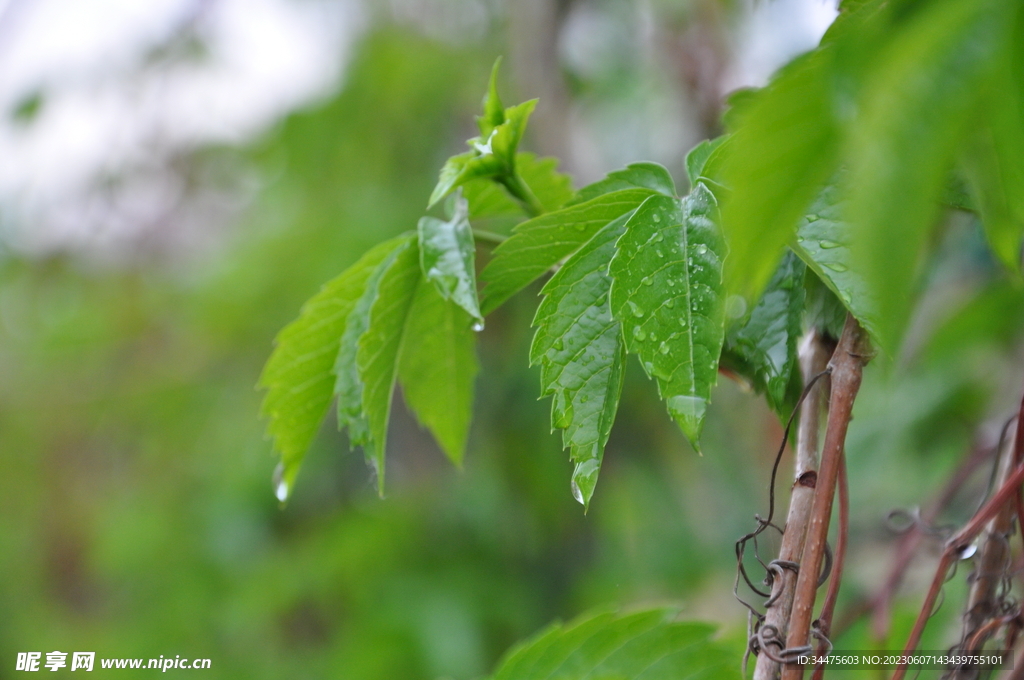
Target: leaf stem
(522,193)
(489,237)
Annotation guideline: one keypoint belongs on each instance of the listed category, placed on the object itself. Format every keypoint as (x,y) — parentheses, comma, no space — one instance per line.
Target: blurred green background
(136,511)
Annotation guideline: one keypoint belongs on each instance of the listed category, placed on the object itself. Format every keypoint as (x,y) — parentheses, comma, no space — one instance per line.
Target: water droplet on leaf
(280,483)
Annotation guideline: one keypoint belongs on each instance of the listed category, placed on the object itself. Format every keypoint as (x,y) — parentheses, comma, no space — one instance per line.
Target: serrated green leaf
(650,176)
(823,243)
(579,348)
(488,199)
(298,376)
(763,347)
(378,350)
(349,386)
(667,294)
(916,112)
(647,645)
(437,367)
(698,157)
(784,147)
(823,309)
(448,258)
(538,244)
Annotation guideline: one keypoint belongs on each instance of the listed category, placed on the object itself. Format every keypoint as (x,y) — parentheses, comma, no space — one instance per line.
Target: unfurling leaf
(764,347)
(645,645)
(298,376)
(667,294)
(538,244)
(448,258)
(437,367)
(579,348)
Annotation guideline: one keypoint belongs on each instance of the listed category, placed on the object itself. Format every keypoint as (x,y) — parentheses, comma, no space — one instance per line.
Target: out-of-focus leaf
(298,376)
(448,258)
(349,386)
(538,244)
(377,354)
(698,157)
(764,347)
(552,189)
(650,176)
(823,242)
(579,348)
(667,294)
(996,164)
(647,645)
(916,112)
(784,147)
(437,367)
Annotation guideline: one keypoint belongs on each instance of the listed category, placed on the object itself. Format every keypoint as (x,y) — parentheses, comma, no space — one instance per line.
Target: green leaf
(650,176)
(784,147)
(698,157)
(579,348)
(349,386)
(667,294)
(823,243)
(298,376)
(448,258)
(916,112)
(764,348)
(538,244)
(488,199)
(378,350)
(647,645)
(437,367)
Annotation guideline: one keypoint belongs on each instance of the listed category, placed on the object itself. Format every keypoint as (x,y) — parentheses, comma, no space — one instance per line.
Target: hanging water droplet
(639,333)
(829,244)
(280,483)
(478,326)
(701,249)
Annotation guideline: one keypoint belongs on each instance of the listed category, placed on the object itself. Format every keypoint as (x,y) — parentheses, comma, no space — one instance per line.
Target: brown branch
(847,364)
(813,360)
(828,605)
(953,548)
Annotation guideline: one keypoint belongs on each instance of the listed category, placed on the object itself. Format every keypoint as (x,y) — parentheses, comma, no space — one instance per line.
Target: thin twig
(847,364)
(828,605)
(961,540)
(813,361)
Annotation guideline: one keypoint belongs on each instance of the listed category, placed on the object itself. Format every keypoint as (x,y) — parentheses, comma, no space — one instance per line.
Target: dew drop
(639,333)
(670,303)
(559,345)
(579,226)
(835,266)
(701,249)
(649,367)
(671,283)
(829,244)
(635,308)
(663,347)
(658,237)
(656,217)
(647,281)
(280,483)
(584,398)
(478,326)
(658,252)
(735,306)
